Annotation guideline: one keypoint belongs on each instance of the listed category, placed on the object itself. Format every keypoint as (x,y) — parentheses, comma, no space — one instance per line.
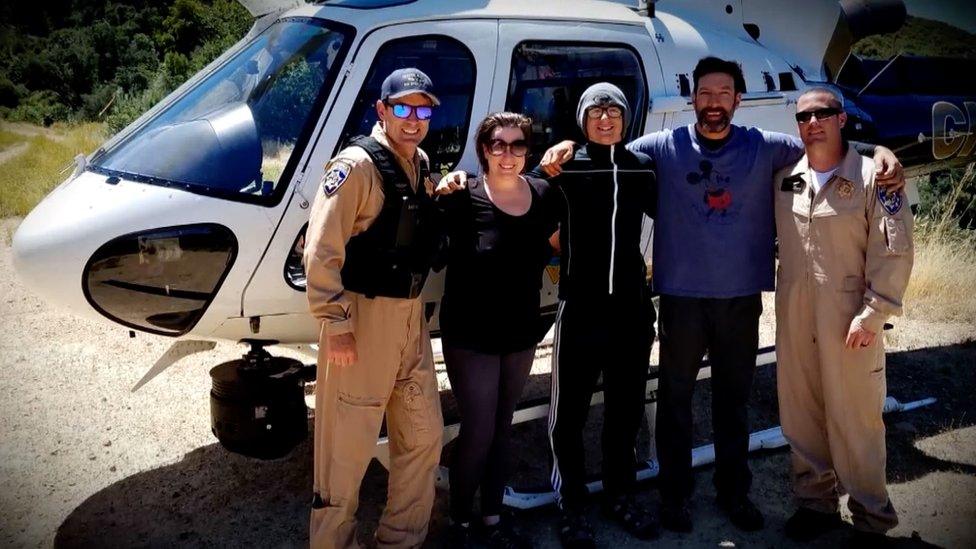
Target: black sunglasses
(497,147)
(821,114)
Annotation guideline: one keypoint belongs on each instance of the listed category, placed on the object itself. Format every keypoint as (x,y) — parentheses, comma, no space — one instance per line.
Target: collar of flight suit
(410,166)
(849,170)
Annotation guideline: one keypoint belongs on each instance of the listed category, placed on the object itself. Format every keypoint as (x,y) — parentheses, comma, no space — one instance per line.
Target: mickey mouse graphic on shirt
(716,203)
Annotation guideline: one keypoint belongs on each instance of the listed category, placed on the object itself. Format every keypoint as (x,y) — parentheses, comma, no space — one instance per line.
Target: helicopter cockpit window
(548,77)
(450,66)
(234,133)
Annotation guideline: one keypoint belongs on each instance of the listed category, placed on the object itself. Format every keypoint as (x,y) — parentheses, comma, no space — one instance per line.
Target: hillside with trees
(918,37)
(111,60)
(106,60)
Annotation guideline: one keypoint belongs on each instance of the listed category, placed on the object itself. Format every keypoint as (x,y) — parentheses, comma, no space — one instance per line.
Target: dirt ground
(84,462)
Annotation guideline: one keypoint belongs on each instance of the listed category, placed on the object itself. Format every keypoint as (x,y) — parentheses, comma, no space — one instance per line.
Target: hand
(556,156)
(888,171)
(451,182)
(858,336)
(342,349)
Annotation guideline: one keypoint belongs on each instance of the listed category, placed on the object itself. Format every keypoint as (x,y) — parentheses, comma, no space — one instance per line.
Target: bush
(40,107)
(948,184)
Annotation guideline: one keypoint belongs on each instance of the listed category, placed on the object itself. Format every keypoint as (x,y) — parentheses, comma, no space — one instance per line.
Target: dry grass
(943,283)
(26,178)
(8,139)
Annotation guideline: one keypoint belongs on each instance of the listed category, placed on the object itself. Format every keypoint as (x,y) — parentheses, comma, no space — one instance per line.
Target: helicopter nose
(50,249)
(135,254)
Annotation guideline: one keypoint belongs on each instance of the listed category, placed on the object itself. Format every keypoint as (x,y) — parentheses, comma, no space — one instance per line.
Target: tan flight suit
(842,257)
(394,372)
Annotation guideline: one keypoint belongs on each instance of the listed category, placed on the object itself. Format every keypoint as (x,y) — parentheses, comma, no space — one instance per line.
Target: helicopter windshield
(234,133)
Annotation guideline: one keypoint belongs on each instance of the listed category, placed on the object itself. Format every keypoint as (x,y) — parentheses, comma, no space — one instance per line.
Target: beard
(714,125)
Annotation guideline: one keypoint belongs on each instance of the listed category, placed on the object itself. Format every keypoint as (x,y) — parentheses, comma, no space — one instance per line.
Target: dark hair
(497,120)
(835,100)
(710,65)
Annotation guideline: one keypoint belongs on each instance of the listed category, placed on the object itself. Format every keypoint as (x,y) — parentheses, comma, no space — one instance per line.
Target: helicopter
(190,222)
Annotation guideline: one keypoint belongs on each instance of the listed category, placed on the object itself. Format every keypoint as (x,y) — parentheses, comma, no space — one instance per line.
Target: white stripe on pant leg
(555,478)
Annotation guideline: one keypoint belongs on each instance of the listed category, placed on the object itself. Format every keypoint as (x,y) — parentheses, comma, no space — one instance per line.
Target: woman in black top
(499,227)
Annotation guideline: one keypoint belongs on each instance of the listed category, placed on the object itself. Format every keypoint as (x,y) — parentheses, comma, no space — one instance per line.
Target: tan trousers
(395,374)
(830,404)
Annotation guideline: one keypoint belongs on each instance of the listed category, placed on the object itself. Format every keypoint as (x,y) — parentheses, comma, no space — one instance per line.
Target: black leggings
(487,388)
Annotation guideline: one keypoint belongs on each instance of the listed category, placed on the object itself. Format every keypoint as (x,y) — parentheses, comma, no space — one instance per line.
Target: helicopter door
(461,70)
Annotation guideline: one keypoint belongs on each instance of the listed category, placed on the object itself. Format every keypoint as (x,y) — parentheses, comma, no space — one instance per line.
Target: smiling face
(715,103)
(405,134)
(818,132)
(604,130)
(505,164)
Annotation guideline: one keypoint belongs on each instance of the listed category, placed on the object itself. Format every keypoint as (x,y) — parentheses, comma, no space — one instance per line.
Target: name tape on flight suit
(335,177)
(793,183)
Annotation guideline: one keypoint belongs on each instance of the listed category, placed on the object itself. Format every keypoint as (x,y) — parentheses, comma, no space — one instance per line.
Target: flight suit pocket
(357,426)
(412,416)
(852,294)
(896,236)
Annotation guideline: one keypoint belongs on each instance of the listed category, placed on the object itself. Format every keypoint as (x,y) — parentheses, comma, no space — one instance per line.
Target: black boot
(501,535)
(633,517)
(807,524)
(742,513)
(676,516)
(574,531)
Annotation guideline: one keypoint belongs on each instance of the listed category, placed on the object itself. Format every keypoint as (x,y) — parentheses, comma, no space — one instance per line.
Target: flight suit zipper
(613,220)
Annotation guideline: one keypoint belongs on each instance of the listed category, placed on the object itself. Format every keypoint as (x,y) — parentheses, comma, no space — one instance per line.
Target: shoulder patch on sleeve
(335,177)
(890,202)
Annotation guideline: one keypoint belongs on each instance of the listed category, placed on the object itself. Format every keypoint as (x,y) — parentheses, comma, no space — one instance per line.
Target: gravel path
(85,462)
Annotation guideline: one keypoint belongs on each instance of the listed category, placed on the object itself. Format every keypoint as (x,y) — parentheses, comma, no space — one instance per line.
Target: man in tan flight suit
(845,256)
(366,261)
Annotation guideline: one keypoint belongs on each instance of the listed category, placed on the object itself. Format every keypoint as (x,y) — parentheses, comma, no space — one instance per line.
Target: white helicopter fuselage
(148,234)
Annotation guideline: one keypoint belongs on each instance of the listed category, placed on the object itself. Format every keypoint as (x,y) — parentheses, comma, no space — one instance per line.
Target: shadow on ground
(215,498)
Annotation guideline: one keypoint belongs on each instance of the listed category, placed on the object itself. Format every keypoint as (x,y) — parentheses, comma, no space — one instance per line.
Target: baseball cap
(403,82)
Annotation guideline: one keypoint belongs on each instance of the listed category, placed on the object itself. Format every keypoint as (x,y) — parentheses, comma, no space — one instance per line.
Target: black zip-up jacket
(606,190)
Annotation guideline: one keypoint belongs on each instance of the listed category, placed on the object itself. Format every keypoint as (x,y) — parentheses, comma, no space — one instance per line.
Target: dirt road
(85,462)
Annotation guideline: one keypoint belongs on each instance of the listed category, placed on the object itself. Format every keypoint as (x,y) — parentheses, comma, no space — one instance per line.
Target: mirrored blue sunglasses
(403,111)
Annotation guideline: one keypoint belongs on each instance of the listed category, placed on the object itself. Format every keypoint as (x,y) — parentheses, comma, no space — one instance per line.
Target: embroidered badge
(890,202)
(845,189)
(334,178)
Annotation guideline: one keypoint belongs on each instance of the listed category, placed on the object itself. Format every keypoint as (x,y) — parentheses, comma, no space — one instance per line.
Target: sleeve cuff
(871,319)
(337,327)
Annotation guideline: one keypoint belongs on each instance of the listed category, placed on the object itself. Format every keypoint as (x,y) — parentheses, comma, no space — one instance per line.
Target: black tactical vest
(394,255)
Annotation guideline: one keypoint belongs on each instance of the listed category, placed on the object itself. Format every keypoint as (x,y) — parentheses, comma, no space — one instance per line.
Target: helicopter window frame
(355,118)
(515,87)
(303,137)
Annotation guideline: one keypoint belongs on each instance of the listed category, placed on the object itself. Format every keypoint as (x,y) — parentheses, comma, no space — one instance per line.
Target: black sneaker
(575,532)
(868,540)
(676,516)
(502,536)
(458,536)
(807,524)
(742,513)
(633,517)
